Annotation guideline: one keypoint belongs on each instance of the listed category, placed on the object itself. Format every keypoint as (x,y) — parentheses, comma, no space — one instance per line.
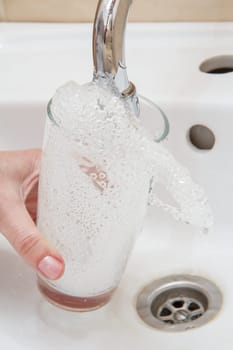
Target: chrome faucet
(108,47)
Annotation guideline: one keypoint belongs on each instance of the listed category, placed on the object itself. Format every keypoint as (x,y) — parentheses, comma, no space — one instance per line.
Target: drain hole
(195,317)
(221,70)
(169,321)
(178,304)
(218,65)
(201,137)
(193,307)
(165,312)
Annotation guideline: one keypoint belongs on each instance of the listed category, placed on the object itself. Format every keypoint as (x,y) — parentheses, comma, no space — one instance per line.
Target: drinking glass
(91,214)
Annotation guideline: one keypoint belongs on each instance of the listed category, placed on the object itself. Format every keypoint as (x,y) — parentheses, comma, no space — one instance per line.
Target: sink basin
(163,61)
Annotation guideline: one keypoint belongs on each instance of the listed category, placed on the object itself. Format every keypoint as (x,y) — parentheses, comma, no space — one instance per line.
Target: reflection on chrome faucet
(108,47)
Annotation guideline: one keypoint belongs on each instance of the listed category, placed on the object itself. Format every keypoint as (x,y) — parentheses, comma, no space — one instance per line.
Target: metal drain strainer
(179,302)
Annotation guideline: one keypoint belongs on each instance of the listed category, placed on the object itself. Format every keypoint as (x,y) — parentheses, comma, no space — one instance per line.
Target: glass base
(72,303)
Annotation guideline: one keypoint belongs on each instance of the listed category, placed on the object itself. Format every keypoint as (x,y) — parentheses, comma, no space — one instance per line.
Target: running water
(97,166)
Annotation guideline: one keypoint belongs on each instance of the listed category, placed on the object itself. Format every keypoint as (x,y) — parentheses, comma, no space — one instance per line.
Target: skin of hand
(19,173)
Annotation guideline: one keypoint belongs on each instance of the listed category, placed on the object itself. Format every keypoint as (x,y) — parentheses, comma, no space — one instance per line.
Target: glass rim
(166,127)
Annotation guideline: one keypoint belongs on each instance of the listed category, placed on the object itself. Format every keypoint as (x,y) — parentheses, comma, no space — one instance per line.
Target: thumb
(20,230)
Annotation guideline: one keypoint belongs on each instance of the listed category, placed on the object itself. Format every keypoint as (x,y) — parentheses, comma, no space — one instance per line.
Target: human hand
(19,172)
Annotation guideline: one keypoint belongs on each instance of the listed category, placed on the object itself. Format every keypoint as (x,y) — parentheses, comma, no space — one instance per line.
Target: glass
(94,234)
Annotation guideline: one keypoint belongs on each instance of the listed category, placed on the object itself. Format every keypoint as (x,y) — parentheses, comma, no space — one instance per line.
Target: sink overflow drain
(179,302)
(201,137)
(217,65)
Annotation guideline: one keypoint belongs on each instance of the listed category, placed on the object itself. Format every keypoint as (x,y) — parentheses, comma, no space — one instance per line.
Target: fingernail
(50,267)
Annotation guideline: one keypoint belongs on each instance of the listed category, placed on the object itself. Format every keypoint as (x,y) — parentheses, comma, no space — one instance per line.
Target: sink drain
(180,302)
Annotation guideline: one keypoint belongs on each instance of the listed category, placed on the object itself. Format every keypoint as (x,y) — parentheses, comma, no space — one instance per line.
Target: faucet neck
(108,46)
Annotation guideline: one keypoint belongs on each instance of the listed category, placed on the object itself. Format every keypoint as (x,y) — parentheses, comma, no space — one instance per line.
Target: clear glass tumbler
(94,235)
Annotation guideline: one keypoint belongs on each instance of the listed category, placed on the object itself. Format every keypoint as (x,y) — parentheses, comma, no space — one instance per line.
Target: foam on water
(97,166)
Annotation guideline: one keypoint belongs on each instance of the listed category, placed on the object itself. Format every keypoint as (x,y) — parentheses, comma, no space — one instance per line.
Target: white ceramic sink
(163,61)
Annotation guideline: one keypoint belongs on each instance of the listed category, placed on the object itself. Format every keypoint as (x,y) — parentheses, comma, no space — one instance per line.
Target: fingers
(20,230)
(16,166)
(18,184)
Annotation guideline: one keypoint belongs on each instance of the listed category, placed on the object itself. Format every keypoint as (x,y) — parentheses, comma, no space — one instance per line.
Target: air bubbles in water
(97,166)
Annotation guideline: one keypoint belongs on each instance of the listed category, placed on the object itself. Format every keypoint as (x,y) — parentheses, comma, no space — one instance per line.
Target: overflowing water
(97,167)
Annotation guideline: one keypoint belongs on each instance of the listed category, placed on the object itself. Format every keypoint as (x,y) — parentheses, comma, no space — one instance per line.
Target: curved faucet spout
(108,47)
